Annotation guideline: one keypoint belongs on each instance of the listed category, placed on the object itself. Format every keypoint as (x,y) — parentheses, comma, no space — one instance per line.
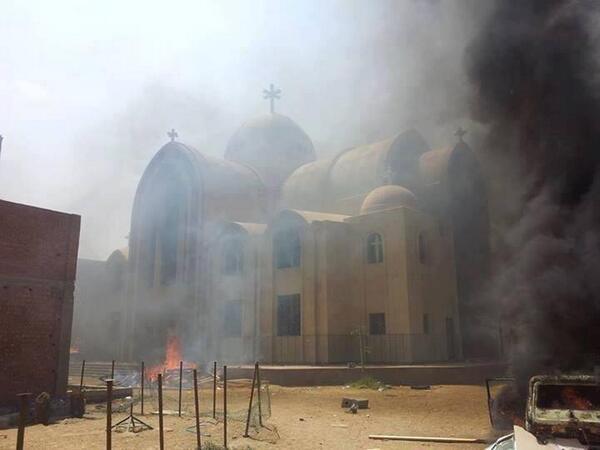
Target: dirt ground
(302,418)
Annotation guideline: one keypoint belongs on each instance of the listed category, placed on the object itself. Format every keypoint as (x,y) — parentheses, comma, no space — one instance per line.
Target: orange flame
(173,356)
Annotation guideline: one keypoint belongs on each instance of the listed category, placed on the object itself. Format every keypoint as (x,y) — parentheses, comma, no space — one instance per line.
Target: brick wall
(38,257)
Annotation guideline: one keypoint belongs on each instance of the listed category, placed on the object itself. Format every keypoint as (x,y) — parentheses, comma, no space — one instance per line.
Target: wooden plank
(448,440)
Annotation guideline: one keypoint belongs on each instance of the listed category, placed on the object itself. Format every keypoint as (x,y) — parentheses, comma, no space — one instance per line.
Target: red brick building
(38,258)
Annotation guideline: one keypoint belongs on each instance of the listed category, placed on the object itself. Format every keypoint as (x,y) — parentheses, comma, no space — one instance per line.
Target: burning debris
(171,366)
(561,410)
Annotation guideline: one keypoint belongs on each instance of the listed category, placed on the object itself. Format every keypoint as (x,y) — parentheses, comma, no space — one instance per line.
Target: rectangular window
(232,316)
(377,323)
(288,315)
(426,328)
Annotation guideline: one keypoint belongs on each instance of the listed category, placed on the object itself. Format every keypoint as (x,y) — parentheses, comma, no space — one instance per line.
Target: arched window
(287,248)
(374,248)
(422,249)
(233,257)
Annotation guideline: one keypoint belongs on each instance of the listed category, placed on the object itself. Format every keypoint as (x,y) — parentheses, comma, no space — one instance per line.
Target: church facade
(377,254)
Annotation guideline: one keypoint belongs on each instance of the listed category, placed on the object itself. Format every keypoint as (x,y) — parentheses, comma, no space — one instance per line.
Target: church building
(271,254)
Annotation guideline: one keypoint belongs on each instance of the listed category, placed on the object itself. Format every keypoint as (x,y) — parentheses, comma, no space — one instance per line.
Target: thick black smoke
(534,71)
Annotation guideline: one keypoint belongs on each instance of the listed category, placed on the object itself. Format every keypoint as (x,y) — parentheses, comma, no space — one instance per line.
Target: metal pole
(23,412)
(160,414)
(225,406)
(259,402)
(81,379)
(142,388)
(112,370)
(198,442)
(250,404)
(214,390)
(109,389)
(180,384)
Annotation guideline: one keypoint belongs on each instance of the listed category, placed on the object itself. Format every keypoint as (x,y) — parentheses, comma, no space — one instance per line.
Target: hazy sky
(88,90)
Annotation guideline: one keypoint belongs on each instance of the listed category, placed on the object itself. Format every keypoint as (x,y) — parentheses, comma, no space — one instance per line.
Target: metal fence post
(161,435)
(196,403)
(180,384)
(82,373)
(225,406)
(214,390)
(109,389)
(142,388)
(259,400)
(251,398)
(23,413)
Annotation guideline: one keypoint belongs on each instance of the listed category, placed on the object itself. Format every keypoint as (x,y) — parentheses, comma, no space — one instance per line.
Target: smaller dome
(388,197)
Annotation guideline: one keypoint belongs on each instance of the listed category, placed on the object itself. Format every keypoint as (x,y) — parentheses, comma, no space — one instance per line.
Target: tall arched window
(233,257)
(374,248)
(287,248)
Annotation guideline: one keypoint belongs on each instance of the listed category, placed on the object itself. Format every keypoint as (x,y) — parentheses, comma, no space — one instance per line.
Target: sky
(89,89)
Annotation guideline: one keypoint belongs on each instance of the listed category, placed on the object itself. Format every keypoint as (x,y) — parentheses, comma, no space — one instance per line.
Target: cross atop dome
(172,134)
(459,133)
(272,94)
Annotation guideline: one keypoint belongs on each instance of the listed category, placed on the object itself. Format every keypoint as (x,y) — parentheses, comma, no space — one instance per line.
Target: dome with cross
(273,145)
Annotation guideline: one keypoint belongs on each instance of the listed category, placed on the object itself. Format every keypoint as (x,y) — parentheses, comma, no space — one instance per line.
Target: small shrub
(367,383)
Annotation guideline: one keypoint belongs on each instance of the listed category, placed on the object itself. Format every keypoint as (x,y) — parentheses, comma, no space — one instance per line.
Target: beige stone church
(271,254)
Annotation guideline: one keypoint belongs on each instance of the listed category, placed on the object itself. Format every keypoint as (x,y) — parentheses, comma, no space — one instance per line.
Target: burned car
(563,411)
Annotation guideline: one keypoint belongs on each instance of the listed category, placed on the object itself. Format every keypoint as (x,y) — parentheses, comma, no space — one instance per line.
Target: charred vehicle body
(562,411)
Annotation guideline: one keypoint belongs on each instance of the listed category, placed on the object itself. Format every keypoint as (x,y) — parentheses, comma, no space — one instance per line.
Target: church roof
(304,217)
(225,227)
(252,228)
(215,188)
(341,183)
(315,216)
(119,255)
(273,145)
(388,197)
(435,165)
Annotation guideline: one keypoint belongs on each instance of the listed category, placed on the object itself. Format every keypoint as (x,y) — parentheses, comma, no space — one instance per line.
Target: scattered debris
(447,440)
(89,433)
(339,425)
(169,412)
(422,387)
(301,419)
(361,403)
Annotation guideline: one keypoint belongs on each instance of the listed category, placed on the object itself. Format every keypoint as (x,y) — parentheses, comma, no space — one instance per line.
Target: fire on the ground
(563,411)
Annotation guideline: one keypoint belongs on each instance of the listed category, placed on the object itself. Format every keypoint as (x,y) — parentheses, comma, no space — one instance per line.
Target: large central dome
(273,145)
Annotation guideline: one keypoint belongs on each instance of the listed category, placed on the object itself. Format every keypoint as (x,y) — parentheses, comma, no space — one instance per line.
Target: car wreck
(562,412)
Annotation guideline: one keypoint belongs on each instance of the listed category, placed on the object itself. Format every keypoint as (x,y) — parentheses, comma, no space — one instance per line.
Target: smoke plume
(534,69)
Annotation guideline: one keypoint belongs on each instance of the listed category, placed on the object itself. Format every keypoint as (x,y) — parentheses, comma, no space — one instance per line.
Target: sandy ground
(302,418)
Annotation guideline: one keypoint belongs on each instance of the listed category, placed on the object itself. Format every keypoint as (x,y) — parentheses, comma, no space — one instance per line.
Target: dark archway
(166,225)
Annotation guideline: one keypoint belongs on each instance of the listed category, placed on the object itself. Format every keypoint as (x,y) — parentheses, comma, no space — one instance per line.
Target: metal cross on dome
(459,133)
(172,134)
(272,94)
